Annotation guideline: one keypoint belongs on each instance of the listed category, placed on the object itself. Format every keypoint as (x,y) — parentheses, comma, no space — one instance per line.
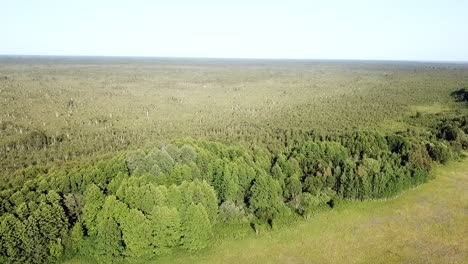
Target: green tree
(12,232)
(180,173)
(265,197)
(174,197)
(94,200)
(137,235)
(51,221)
(197,232)
(166,233)
(439,152)
(293,190)
(109,246)
(136,161)
(77,237)
(114,184)
(209,200)
(45,229)
(419,157)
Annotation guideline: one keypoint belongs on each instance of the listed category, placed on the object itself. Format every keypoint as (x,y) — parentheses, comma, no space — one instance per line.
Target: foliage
(122,209)
(196,228)
(265,197)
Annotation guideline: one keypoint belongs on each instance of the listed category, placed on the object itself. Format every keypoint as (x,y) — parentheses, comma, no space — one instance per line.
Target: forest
(147,202)
(177,192)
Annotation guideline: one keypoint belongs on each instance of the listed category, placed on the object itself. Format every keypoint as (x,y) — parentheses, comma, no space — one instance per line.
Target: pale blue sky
(394,30)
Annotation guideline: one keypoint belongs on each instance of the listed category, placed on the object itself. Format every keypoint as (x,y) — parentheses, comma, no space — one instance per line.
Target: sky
(423,30)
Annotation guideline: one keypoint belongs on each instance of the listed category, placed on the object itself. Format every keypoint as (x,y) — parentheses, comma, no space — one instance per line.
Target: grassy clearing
(401,123)
(431,108)
(424,225)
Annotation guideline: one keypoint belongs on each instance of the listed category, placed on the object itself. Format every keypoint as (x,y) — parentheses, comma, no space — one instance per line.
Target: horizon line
(234,58)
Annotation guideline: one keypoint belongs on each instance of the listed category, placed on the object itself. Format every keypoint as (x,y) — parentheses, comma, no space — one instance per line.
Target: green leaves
(77,237)
(137,235)
(165,229)
(196,228)
(265,197)
(94,200)
(109,246)
(12,237)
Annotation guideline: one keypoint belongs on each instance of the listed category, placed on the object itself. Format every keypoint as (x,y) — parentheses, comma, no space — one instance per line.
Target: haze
(376,30)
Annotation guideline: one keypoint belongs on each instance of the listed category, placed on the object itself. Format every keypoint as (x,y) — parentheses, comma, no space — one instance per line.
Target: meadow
(141,160)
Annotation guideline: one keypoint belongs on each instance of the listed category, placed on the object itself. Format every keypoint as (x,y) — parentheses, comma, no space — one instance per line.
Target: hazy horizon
(39,56)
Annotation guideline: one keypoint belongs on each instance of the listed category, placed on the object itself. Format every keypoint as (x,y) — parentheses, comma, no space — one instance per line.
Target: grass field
(428,224)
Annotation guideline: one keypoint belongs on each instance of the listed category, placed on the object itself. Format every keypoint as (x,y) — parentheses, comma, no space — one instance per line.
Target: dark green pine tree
(46,228)
(57,223)
(34,247)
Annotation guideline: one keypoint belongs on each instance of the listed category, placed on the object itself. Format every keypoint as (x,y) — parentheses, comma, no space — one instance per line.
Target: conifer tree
(94,200)
(77,237)
(265,197)
(12,232)
(197,232)
(165,225)
(137,235)
(108,244)
(209,200)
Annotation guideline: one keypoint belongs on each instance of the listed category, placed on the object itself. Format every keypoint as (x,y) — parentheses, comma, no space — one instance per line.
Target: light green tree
(137,235)
(165,225)
(94,200)
(197,232)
